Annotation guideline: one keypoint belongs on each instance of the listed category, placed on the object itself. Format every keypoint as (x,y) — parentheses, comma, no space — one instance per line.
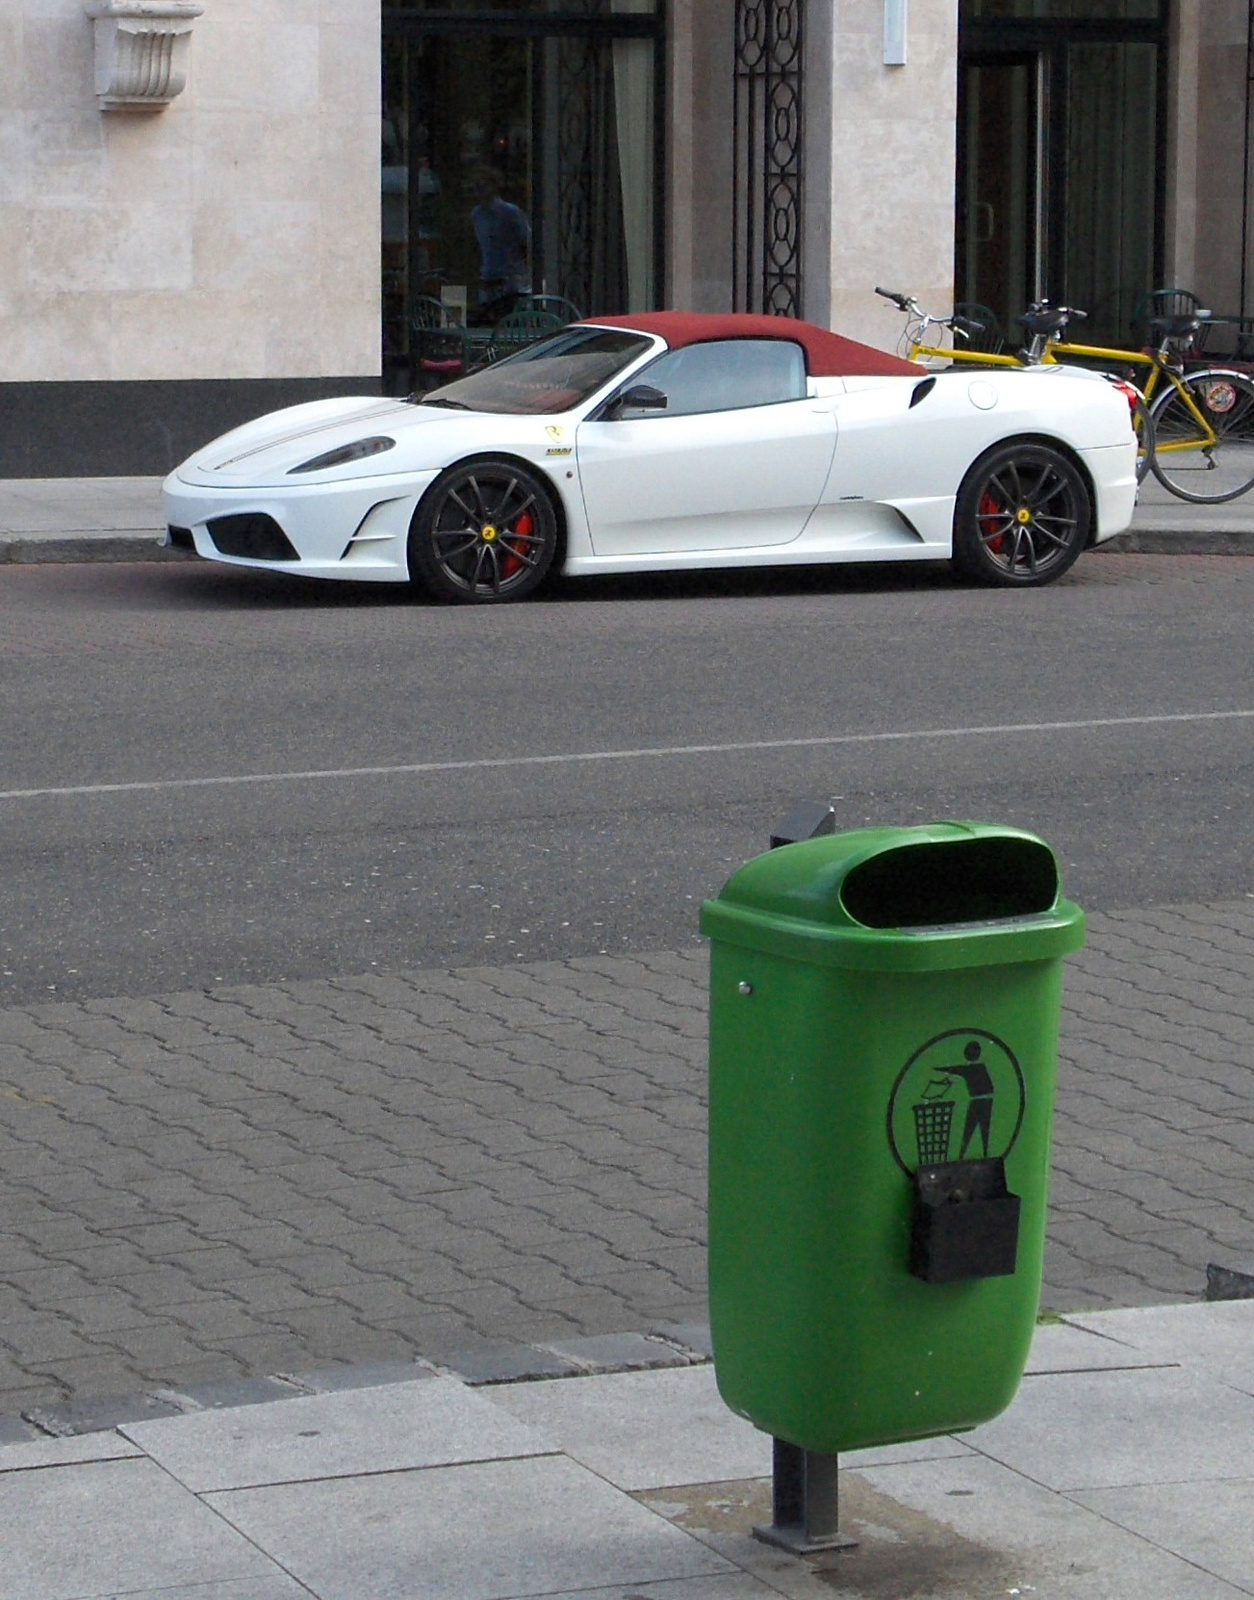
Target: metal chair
(556,304)
(439,345)
(1161,303)
(1221,337)
(989,340)
(521,328)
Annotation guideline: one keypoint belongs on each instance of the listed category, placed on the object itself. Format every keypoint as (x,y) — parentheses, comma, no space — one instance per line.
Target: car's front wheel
(485,531)
(1022,517)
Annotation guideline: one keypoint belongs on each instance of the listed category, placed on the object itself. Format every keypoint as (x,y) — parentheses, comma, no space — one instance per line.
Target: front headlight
(344,454)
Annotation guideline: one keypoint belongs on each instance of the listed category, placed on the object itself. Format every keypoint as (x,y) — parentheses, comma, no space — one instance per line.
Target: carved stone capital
(142,48)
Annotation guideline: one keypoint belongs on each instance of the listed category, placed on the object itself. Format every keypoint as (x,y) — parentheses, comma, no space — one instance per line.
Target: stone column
(1220,154)
(879,164)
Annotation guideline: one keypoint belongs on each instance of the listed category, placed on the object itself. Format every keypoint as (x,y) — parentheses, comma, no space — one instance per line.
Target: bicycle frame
(1044,351)
(974,358)
(1168,389)
(1056,350)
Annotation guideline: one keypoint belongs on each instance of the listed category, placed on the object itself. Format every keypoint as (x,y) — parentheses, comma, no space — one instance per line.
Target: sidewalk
(1122,1468)
(119,519)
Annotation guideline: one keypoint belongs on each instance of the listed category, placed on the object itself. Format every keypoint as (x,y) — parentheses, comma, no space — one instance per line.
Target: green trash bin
(883,1033)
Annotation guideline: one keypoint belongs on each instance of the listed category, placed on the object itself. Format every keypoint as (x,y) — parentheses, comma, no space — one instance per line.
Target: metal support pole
(806,1503)
(1242,308)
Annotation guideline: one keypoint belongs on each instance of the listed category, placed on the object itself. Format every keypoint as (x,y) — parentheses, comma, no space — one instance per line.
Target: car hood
(264,452)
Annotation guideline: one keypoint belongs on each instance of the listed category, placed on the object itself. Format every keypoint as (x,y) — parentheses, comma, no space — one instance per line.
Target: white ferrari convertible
(671,441)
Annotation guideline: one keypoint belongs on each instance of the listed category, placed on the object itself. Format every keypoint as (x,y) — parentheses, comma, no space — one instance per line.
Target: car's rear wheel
(1023,516)
(484,532)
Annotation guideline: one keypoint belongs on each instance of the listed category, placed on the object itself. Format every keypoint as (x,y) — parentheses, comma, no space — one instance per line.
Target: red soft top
(828,355)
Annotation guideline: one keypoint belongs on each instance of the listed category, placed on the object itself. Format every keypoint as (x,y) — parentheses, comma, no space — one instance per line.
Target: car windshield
(552,376)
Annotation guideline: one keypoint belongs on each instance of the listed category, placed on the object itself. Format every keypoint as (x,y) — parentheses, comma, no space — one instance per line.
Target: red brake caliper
(990,508)
(522,529)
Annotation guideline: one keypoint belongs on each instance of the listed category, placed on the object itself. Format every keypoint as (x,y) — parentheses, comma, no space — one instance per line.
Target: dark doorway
(1060,142)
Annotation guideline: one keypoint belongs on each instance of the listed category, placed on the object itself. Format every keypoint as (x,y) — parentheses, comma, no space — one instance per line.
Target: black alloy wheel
(485,532)
(1022,517)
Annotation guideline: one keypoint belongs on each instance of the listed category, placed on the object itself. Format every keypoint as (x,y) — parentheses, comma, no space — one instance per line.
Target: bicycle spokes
(1204,446)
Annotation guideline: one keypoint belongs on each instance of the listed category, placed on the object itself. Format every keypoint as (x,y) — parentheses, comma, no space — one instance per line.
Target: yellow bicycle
(1201,420)
(1195,428)
(914,345)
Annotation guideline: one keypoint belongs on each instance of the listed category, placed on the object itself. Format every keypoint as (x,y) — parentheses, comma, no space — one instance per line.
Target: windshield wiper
(452,405)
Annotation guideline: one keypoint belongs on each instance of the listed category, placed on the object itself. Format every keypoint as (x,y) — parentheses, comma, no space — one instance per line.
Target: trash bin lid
(950,894)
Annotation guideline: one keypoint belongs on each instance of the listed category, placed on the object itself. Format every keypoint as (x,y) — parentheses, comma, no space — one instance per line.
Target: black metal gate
(768,168)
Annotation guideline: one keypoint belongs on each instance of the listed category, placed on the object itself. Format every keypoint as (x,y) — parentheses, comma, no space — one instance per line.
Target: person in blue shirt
(504,236)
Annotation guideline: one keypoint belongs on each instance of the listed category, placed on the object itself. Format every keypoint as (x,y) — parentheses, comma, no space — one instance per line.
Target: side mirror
(640,397)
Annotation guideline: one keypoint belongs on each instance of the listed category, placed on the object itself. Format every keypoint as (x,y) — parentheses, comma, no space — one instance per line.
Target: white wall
(888,184)
(233,235)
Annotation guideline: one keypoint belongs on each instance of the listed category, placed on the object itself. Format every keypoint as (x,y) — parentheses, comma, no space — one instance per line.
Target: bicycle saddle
(1048,319)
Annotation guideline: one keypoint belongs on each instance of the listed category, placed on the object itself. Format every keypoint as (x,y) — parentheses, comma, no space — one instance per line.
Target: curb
(123,545)
(487,1363)
(144,544)
(126,545)
(1168,541)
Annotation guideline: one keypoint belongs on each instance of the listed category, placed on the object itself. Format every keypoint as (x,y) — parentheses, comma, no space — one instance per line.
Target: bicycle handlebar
(906,302)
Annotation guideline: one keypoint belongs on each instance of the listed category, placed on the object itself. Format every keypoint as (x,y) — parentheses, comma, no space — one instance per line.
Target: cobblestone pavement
(206,1185)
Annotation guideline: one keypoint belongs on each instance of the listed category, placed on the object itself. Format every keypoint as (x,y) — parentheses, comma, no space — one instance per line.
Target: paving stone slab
(66,1452)
(968,1527)
(429,1423)
(1218,1338)
(617,1352)
(16,1430)
(727,1586)
(279,1587)
(1208,1524)
(506,1363)
(694,1336)
(1097,1430)
(89,1415)
(227,1395)
(490,1531)
(113,1527)
(641,1430)
(1078,1345)
(369,1375)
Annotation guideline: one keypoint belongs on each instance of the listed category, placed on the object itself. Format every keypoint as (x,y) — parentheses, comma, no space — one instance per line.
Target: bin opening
(963,880)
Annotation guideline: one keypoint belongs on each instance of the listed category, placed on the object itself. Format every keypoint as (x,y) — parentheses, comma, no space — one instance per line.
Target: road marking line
(655,753)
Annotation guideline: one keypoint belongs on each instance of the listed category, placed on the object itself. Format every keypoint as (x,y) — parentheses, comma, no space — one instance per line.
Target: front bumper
(355,530)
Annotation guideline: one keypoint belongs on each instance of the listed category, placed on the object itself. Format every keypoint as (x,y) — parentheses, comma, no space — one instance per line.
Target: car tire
(485,532)
(1022,517)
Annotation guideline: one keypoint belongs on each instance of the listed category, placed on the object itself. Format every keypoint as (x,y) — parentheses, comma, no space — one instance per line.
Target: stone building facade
(176,256)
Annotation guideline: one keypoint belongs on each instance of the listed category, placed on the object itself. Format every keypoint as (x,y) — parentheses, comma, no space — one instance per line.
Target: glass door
(1108,244)
(1000,227)
(517,162)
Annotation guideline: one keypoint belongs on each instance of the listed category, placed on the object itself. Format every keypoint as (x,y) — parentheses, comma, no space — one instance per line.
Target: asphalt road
(212,777)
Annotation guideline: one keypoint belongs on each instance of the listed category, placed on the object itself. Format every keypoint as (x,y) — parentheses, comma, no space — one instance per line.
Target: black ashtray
(966,1223)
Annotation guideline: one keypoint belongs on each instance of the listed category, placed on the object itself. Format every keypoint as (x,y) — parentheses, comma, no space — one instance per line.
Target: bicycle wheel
(1143,427)
(1204,436)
